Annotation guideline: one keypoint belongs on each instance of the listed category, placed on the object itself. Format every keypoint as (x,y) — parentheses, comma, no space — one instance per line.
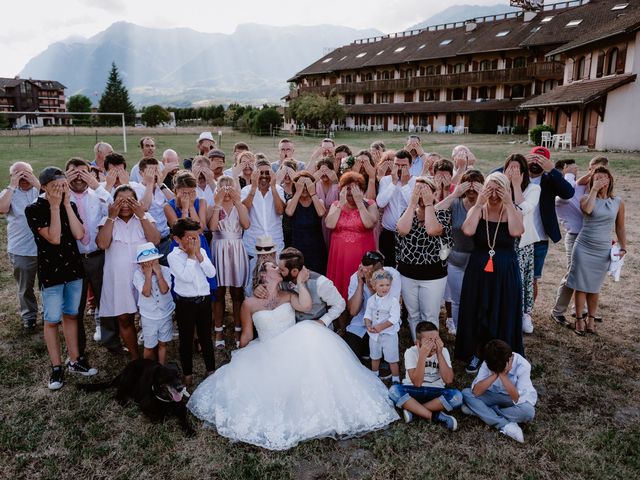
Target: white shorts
(154,330)
(387,345)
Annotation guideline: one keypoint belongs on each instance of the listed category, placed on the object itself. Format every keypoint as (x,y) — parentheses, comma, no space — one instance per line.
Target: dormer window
(327,60)
(574,23)
(360,55)
(547,19)
(504,33)
(445,42)
(620,6)
(399,49)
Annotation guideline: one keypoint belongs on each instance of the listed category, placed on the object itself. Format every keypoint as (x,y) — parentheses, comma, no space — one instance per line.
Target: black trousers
(189,315)
(387,246)
(360,346)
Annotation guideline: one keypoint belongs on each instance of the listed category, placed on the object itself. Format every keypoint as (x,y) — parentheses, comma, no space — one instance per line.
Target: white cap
(147,252)
(205,136)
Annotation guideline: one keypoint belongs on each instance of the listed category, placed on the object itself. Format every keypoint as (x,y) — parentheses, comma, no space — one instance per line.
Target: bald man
(100,151)
(23,190)
(170,165)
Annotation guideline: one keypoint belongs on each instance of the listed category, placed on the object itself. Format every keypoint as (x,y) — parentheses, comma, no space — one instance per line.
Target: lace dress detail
(298,382)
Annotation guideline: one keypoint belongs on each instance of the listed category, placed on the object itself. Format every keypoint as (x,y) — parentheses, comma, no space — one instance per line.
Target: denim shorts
(449,397)
(59,300)
(540,250)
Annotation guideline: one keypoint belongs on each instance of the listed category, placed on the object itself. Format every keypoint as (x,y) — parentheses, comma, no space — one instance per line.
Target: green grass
(587,419)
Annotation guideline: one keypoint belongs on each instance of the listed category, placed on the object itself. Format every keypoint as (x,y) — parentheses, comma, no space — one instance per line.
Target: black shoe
(560,320)
(56,381)
(29,325)
(82,367)
(474,365)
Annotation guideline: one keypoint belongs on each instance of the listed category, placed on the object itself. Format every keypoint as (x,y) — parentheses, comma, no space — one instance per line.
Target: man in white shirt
(359,292)
(23,190)
(92,202)
(394,193)
(418,155)
(170,165)
(190,268)
(148,147)
(285,151)
(265,202)
(153,194)
(101,150)
(115,167)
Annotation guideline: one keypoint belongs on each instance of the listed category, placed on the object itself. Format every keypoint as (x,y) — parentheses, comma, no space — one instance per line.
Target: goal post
(97,114)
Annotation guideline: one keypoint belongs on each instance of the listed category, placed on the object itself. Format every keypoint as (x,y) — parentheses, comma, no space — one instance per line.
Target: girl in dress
(591,253)
(352,219)
(229,219)
(306,212)
(491,297)
(126,226)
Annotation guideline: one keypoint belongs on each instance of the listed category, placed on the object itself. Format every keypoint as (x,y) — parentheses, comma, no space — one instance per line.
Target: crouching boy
(423,391)
(502,394)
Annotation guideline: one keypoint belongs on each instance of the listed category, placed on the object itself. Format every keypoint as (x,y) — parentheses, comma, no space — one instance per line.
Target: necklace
(489,266)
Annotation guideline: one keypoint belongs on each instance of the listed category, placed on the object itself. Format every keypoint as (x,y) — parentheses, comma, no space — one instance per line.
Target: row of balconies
(533,71)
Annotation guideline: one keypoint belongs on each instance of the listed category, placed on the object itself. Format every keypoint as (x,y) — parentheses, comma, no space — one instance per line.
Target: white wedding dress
(297,382)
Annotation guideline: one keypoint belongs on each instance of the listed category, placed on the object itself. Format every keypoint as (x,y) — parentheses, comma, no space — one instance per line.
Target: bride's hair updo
(260,274)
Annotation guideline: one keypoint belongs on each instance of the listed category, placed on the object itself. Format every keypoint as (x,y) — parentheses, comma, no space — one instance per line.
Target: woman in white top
(119,234)
(525,196)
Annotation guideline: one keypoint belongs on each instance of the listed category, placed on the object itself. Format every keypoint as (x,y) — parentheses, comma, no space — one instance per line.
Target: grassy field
(587,421)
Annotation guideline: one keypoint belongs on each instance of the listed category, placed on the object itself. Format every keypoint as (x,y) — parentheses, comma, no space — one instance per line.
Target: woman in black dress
(305,212)
(490,301)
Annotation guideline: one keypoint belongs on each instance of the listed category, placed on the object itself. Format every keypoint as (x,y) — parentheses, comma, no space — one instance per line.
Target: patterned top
(418,254)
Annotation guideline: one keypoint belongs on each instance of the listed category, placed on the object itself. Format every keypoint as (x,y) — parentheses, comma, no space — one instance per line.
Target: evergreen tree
(115,99)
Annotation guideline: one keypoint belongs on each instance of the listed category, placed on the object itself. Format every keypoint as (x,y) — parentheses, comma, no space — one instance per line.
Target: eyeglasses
(264,249)
(371,258)
(147,253)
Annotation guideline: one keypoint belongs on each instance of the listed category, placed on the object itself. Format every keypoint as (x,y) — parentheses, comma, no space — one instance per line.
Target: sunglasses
(371,258)
(264,249)
(148,253)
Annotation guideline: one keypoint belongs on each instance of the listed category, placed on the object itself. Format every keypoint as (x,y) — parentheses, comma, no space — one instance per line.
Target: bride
(296,382)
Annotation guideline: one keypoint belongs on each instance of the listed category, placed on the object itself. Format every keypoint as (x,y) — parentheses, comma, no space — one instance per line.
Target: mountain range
(181,66)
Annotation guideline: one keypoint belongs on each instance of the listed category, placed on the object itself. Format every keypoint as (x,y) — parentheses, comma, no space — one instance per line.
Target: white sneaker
(527,323)
(140,338)
(97,336)
(466,410)
(513,430)
(451,327)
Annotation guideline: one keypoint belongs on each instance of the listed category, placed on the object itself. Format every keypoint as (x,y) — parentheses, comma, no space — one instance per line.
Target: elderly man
(23,190)
(285,151)
(170,165)
(101,150)
(148,148)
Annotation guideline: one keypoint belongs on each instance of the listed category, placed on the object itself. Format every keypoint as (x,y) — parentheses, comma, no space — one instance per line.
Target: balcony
(539,70)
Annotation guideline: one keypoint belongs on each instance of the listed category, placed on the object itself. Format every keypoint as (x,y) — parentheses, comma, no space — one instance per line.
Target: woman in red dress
(352,219)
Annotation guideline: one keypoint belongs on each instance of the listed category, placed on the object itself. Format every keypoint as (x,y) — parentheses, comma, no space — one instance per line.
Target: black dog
(156,388)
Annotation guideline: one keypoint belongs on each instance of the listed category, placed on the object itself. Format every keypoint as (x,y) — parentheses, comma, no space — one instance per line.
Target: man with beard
(327,303)
(148,147)
(92,201)
(552,185)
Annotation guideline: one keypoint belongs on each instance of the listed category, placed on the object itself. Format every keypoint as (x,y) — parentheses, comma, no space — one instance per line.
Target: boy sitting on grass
(424,391)
(502,394)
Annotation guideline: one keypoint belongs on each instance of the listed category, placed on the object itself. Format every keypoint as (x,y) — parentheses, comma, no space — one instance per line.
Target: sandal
(237,331)
(580,322)
(591,326)
(220,343)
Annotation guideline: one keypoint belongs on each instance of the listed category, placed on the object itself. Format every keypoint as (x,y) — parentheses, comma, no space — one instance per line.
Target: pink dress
(227,249)
(349,242)
(328,197)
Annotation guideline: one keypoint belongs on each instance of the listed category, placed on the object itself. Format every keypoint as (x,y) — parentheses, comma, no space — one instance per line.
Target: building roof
(433,107)
(497,33)
(626,21)
(42,84)
(580,92)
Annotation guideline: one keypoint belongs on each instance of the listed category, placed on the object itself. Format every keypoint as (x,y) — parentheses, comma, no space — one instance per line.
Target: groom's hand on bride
(260,292)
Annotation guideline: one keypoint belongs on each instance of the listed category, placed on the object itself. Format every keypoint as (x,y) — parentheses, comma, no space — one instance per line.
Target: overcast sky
(28,28)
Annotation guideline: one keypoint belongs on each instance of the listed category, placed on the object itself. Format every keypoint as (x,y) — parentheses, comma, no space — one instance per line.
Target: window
(399,49)
(546,19)
(342,58)
(620,6)
(519,62)
(380,52)
(360,55)
(384,97)
(384,75)
(408,97)
(535,29)
(483,92)
(349,99)
(445,42)
(458,93)
(427,96)
(368,98)
(517,91)
(458,68)
(547,86)
(580,69)
(574,23)
(612,61)
(327,60)
(504,33)
(422,46)
(430,70)
(485,65)
(368,76)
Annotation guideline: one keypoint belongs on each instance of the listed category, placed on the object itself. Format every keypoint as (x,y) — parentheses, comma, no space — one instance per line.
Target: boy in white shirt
(423,391)
(154,302)
(382,319)
(190,268)
(502,394)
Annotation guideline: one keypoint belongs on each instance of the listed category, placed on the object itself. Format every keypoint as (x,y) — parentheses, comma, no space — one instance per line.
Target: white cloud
(117,7)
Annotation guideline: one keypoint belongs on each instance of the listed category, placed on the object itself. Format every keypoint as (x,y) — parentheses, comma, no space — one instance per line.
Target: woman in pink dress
(229,219)
(327,190)
(352,219)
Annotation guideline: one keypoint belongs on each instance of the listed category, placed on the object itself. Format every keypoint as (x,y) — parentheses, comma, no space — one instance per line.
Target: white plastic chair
(500,130)
(565,141)
(546,139)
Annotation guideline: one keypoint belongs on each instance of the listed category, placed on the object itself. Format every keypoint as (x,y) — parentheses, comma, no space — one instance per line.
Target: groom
(327,303)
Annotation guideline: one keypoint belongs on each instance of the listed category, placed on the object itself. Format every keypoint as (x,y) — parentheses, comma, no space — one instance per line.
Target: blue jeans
(540,250)
(449,397)
(60,300)
(497,409)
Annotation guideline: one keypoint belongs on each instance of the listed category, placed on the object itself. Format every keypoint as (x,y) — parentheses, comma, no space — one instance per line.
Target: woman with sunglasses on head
(491,296)
(352,219)
(126,226)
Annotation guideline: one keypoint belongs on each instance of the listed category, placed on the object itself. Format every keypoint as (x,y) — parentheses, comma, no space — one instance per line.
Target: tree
(317,110)
(155,115)
(265,119)
(115,99)
(79,103)
(4,121)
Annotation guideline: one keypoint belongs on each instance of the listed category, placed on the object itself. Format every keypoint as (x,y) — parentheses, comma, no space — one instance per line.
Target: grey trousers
(564,294)
(25,270)
(497,409)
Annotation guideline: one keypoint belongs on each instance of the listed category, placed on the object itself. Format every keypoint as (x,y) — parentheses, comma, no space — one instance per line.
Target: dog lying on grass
(156,388)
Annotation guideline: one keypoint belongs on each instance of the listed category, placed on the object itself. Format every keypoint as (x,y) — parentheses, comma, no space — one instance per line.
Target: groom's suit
(327,303)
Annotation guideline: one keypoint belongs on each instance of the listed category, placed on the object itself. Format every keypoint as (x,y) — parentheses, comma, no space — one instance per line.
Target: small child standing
(424,392)
(502,394)
(154,302)
(190,267)
(382,319)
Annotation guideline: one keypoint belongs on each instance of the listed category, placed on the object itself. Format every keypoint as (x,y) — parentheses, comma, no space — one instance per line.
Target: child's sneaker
(466,410)
(513,430)
(473,366)
(449,422)
(451,327)
(408,416)
(56,381)
(527,323)
(97,336)
(140,338)
(82,367)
